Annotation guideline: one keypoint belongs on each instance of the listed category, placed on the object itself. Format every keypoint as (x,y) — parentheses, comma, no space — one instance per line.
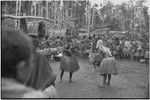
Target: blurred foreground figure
(16,57)
(41,76)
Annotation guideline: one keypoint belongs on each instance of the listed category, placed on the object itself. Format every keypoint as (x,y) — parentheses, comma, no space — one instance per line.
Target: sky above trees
(113,1)
(147,3)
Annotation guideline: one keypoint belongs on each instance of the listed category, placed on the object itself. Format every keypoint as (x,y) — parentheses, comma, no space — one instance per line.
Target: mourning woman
(96,58)
(108,65)
(69,62)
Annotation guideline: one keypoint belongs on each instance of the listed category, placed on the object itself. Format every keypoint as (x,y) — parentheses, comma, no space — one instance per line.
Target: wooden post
(71,9)
(35,9)
(19,7)
(61,12)
(41,9)
(86,17)
(93,15)
(16,13)
(60,20)
(19,13)
(54,16)
(47,9)
(31,9)
(89,20)
(67,12)
(47,16)
(57,14)
(132,17)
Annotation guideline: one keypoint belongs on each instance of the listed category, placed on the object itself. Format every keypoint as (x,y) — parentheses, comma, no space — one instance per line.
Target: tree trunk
(47,16)
(35,10)
(16,13)
(89,24)
(54,16)
(19,4)
(23,25)
(93,15)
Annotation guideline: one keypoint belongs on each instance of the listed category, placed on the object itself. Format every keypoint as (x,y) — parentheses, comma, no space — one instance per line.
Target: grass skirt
(108,66)
(69,64)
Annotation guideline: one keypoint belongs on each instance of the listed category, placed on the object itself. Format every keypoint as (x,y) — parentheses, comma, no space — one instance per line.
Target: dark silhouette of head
(16,48)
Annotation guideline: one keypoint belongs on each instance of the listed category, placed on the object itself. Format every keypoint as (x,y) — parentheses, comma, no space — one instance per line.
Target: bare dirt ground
(131,81)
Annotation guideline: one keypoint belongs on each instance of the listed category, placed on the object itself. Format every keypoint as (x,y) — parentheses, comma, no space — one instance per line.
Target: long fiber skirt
(108,66)
(69,64)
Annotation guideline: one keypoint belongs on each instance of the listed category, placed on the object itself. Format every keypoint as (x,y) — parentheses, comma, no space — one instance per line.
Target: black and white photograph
(75,49)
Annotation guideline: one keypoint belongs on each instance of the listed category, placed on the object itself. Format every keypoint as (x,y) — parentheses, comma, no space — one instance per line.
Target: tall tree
(80,14)
(8,7)
(25,7)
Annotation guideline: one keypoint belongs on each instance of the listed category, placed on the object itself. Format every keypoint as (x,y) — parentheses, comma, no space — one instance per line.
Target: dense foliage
(129,16)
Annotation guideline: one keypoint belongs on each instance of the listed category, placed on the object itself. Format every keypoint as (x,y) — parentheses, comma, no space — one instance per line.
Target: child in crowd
(138,54)
(146,55)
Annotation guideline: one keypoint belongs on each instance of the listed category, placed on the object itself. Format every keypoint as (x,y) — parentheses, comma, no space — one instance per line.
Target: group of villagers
(27,73)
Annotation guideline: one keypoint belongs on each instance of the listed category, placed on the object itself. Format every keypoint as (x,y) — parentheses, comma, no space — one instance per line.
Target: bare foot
(93,70)
(60,81)
(108,84)
(102,86)
(70,81)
